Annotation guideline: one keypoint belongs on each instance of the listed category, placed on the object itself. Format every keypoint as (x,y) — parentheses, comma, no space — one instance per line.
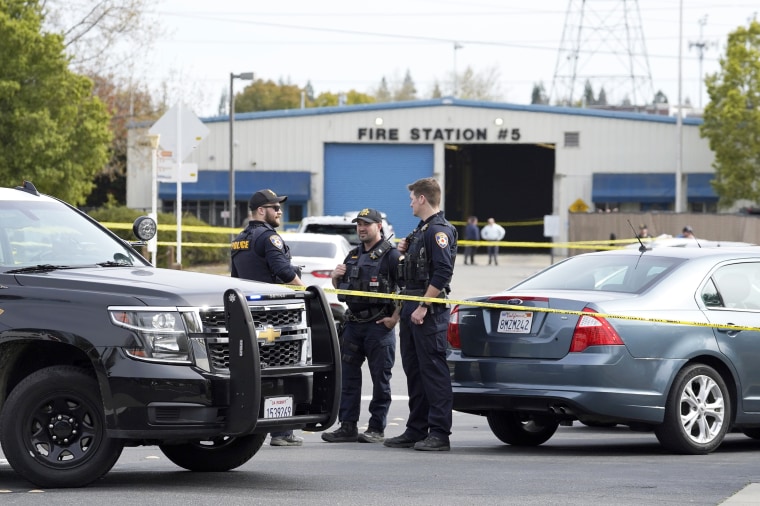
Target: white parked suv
(318,254)
(340,225)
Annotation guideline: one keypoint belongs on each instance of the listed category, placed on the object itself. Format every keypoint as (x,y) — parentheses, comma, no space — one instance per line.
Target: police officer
(426,270)
(260,254)
(368,331)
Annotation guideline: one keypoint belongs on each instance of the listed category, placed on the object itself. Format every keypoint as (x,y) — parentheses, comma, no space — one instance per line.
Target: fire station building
(515,163)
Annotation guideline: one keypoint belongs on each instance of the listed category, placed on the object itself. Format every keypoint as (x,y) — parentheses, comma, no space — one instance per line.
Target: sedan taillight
(593,331)
(321,274)
(452,335)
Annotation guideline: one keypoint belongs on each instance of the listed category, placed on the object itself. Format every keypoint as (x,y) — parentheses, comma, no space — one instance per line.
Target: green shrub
(191,256)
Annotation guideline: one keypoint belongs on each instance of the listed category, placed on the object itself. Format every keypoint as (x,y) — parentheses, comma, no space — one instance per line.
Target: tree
(483,86)
(732,117)
(353,97)
(660,97)
(268,96)
(602,98)
(436,93)
(588,94)
(309,91)
(407,91)
(538,96)
(382,94)
(102,35)
(126,102)
(53,131)
(224,103)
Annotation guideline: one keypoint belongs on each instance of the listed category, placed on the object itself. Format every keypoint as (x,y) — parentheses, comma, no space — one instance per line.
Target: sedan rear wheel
(521,429)
(697,413)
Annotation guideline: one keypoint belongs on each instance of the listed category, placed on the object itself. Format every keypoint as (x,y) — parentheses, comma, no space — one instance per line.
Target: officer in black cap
(426,270)
(260,254)
(368,331)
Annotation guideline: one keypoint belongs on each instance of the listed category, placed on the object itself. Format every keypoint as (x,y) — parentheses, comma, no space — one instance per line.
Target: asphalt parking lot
(481,278)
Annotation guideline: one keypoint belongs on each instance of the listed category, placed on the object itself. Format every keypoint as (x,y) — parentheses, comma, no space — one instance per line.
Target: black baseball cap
(368,216)
(687,228)
(264,197)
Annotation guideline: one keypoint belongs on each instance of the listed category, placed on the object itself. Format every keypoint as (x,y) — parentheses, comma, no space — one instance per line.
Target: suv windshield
(48,232)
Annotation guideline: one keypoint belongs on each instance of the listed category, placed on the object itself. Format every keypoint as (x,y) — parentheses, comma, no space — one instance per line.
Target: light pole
(247,76)
(154,140)
(457,46)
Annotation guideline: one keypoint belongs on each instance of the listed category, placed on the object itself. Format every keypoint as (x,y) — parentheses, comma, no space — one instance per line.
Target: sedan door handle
(729,331)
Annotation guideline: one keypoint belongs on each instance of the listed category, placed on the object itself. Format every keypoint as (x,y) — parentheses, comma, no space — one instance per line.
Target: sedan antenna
(642,248)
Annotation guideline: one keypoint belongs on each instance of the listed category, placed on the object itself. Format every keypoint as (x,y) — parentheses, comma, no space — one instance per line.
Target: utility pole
(702,45)
(457,47)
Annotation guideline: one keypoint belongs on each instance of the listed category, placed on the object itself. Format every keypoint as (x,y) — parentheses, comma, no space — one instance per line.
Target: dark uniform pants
(377,344)
(423,355)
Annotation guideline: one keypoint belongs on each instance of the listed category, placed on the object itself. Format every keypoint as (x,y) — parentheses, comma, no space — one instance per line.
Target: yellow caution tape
(495,305)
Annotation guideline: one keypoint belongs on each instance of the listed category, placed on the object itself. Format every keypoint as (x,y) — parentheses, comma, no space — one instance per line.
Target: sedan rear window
(625,274)
(348,231)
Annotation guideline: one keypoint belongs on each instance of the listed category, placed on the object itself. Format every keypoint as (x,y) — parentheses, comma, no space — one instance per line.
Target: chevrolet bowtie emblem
(269,334)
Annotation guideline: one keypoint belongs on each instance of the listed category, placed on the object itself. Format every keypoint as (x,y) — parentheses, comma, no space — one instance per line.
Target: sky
(342,45)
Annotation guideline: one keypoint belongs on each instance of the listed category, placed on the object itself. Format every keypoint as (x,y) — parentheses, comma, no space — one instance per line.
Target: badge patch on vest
(441,239)
(276,241)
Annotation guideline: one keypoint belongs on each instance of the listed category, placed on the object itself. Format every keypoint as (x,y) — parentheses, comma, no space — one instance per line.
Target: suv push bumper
(200,406)
(246,375)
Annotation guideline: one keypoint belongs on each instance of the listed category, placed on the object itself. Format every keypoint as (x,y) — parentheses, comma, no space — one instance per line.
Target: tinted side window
(710,295)
(737,286)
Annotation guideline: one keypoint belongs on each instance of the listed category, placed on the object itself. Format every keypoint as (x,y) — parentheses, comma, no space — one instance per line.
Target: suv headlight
(162,333)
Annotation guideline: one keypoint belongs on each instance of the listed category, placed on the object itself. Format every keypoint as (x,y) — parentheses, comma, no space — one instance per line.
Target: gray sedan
(664,341)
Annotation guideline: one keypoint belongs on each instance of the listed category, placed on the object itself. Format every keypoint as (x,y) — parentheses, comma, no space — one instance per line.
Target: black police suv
(100,350)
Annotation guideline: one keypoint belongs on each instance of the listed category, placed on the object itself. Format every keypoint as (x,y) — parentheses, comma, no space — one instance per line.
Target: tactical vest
(363,274)
(414,269)
(254,263)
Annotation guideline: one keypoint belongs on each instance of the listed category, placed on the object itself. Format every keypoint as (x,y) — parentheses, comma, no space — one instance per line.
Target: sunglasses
(275,207)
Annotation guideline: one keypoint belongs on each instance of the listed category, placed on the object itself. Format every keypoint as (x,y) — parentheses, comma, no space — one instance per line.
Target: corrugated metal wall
(360,175)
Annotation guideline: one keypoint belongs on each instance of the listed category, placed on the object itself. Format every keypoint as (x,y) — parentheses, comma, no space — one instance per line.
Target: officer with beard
(368,331)
(260,254)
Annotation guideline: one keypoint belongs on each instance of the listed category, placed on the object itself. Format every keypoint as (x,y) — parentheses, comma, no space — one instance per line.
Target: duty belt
(364,316)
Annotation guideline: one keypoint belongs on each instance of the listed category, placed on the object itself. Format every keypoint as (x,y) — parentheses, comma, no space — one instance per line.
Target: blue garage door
(359,176)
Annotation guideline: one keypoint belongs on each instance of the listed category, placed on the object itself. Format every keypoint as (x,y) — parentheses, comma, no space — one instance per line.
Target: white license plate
(278,407)
(515,322)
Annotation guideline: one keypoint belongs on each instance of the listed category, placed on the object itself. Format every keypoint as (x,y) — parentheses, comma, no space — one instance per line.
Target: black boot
(347,433)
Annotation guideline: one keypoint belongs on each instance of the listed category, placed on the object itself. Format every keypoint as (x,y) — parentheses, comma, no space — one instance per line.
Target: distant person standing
(687,232)
(493,232)
(471,233)
(643,232)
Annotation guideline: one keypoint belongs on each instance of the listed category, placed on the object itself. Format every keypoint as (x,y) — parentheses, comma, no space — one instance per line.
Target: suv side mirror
(144,228)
